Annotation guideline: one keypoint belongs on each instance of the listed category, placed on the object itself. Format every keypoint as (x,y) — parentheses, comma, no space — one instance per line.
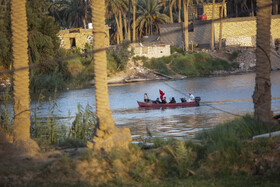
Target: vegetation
(195,64)
(226,155)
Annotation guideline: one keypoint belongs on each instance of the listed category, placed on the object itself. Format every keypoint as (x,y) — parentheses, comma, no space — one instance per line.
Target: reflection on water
(229,93)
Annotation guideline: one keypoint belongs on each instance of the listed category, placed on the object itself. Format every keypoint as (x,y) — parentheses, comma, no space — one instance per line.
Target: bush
(175,49)
(234,55)
(158,65)
(184,65)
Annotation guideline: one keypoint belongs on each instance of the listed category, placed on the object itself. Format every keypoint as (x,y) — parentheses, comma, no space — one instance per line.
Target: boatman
(191,97)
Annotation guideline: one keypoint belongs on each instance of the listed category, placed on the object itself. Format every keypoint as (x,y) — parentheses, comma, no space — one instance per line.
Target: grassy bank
(225,156)
(193,64)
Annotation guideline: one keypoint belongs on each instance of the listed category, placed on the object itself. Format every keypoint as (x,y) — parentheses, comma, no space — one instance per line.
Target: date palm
(186,24)
(21,128)
(262,93)
(106,135)
(149,17)
(114,9)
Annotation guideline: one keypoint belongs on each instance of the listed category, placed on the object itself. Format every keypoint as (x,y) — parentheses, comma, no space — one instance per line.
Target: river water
(222,99)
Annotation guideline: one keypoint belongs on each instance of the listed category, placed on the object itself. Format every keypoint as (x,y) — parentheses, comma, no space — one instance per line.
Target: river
(223,98)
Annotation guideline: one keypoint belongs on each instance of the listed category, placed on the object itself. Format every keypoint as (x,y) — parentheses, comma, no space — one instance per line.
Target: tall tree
(221,25)
(262,93)
(150,17)
(186,24)
(21,129)
(212,27)
(106,135)
(134,21)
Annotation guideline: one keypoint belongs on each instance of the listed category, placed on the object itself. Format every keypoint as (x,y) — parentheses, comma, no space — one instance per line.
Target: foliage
(234,55)
(159,65)
(6,118)
(118,58)
(83,125)
(175,49)
(149,17)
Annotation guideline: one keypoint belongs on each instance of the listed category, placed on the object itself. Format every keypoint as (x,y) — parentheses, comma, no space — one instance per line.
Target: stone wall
(152,51)
(80,36)
(207,10)
(245,27)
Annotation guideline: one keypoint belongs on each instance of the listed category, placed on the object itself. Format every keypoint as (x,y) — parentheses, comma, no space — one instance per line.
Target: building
(78,37)
(236,31)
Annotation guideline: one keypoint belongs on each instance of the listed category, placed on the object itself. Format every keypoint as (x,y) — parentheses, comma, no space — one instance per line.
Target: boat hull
(186,104)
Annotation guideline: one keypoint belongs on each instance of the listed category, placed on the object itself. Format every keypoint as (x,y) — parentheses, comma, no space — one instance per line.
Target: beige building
(206,8)
(78,37)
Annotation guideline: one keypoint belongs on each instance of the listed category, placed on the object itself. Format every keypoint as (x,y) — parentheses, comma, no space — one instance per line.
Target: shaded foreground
(225,156)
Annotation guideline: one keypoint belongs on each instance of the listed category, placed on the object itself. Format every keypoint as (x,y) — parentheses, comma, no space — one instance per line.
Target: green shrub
(158,65)
(83,125)
(175,49)
(142,58)
(227,139)
(234,55)
(184,65)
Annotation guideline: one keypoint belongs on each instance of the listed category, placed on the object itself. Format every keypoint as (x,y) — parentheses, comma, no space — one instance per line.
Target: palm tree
(115,8)
(106,135)
(221,25)
(74,12)
(186,24)
(262,93)
(212,26)
(21,128)
(149,17)
(134,21)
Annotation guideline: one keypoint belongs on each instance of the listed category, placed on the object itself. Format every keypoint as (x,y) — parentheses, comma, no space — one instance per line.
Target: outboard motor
(197,100)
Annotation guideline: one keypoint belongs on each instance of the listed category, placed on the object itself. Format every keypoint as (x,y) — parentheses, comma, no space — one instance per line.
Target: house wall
(82,36)
(207,10)
(244,27)
(154,51)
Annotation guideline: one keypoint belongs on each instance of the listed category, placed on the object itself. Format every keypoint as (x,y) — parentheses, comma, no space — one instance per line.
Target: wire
(50,62)
(203,103)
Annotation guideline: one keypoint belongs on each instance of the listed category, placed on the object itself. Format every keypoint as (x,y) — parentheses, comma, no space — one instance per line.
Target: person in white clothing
(191,97)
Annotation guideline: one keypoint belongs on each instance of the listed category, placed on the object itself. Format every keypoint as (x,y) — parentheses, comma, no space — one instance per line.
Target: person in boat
(146,98)
(172,100)
(183,100)
(157,101)
(191,97)
(164,101)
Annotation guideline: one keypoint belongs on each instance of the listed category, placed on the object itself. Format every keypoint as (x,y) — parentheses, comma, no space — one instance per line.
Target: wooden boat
(159,105)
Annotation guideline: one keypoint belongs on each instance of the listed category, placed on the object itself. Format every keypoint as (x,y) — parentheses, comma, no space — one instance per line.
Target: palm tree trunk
(221,25)
(118,29)
(179,11)
(252,7)
(128,23)
(21,129)
(134,17)
(170,12)
(106,135)
(121,26)
(125,25)
(186,24)
(86,7)
(262,93)
(212,27)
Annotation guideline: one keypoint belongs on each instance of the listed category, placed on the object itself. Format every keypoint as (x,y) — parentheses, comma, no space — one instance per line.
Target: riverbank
(240,61)
(225,156)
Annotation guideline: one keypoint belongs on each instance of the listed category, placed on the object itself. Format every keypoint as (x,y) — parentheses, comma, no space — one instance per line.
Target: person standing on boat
(163,101)
(146,98)
(191,97)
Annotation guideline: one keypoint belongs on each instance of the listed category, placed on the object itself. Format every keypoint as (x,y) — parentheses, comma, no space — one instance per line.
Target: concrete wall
(153,51)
